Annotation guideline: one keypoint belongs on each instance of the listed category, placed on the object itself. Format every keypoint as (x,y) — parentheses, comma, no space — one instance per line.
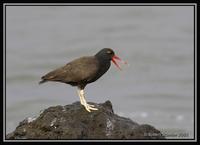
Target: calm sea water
(157,41)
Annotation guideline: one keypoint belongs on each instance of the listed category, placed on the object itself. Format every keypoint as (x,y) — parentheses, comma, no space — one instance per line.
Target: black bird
(83,71)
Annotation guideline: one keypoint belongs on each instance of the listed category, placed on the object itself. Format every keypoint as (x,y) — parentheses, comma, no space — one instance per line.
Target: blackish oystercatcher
(83,71)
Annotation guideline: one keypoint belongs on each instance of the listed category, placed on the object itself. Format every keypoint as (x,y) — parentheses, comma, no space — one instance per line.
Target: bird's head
(109,54)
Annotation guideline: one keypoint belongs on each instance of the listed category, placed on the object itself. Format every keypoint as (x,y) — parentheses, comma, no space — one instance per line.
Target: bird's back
(79,70)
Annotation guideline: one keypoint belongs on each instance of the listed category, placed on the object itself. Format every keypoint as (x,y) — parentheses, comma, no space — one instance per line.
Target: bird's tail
(42,81)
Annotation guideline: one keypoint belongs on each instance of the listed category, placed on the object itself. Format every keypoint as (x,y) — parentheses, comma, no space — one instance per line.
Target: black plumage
(83,71)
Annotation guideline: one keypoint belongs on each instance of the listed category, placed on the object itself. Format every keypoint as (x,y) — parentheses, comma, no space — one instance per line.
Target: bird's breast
(102,69)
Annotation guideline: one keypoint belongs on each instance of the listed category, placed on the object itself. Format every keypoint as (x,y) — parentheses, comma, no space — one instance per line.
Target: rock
(74,122)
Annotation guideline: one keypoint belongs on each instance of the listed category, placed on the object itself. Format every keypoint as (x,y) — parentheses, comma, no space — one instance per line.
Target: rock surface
(74,122)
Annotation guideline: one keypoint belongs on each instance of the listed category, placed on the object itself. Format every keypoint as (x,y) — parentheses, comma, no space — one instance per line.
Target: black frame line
(79,140)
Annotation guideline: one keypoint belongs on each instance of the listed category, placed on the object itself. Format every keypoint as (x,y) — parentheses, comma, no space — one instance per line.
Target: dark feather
(83,69)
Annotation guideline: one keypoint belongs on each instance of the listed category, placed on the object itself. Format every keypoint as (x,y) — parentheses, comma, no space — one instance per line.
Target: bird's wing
(79,70)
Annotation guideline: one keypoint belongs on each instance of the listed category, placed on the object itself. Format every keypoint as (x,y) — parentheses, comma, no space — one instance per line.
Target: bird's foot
(89,107)
(83,102)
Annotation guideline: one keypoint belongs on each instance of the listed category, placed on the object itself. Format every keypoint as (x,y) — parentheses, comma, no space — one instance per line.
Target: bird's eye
(109,52)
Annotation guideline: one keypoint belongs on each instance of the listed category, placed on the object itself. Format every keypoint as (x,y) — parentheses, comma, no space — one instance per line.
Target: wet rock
(74,122)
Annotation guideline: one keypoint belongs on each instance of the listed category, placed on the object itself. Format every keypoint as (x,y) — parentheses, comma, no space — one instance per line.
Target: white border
(4,67)
(121,4)
(195,85)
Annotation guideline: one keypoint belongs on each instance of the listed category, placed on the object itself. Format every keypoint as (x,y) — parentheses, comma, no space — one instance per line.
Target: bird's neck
(104,63)
(102,58)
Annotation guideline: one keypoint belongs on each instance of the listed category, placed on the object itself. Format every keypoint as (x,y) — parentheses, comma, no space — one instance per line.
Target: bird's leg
(87,106)
(81,100)
(82,97)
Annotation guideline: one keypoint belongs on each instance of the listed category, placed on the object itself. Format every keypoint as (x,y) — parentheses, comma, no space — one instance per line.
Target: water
(157,41)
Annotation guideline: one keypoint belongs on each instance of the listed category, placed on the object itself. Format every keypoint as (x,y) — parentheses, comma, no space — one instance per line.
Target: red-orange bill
(117,58)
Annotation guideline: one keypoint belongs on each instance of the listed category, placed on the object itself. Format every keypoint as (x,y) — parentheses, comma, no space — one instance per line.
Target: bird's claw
(87,104)
(89,107)
(83,102)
